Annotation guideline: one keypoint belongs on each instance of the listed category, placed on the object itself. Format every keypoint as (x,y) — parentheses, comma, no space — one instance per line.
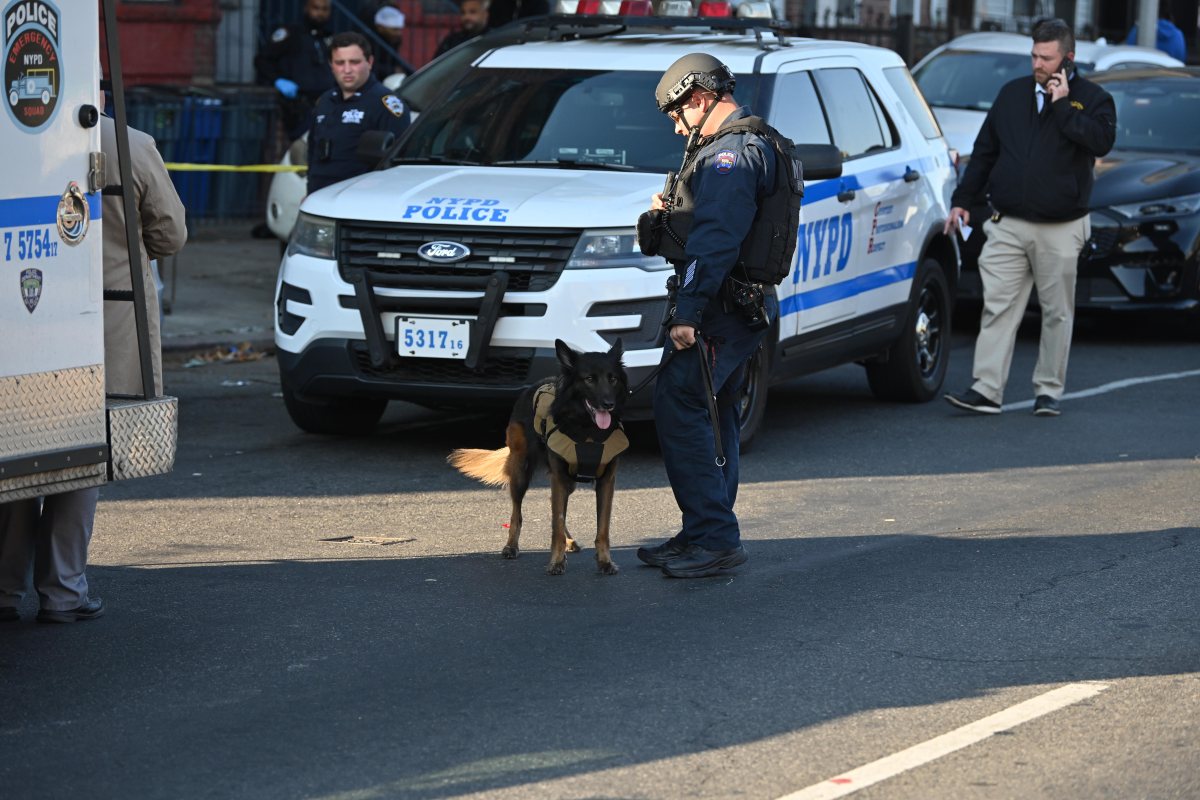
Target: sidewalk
(220,290)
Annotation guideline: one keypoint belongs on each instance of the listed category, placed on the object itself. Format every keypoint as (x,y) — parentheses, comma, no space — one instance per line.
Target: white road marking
(923,753)
(1109,387)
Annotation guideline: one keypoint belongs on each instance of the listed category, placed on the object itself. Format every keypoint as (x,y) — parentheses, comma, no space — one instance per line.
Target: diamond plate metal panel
(58,410)
(44,483)
(142,436)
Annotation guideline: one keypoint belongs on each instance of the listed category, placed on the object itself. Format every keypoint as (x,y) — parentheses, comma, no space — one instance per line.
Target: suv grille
(532,257)
(502,367)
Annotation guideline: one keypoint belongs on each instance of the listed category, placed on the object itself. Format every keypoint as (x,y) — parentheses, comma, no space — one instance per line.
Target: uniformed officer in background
(296,63)
(724,173)
(359,103)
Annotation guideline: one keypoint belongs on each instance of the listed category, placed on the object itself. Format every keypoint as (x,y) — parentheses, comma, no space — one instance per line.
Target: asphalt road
(913,571)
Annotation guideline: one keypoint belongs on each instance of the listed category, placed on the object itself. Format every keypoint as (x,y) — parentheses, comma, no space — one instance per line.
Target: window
(855,117)
(797,111)
(913,102)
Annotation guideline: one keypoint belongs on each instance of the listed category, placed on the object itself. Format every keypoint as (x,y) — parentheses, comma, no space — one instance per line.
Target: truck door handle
(846,195)
(911,175)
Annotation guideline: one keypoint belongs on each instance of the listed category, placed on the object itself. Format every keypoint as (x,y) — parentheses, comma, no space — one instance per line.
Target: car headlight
(612,248)
(1163,207)
(313,236)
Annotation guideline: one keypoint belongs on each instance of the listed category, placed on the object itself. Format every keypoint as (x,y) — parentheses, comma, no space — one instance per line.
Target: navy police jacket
(300,53)
(732,172)
(339,122)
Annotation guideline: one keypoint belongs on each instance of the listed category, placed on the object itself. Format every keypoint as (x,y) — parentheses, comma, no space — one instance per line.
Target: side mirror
(821,161)
(372,146)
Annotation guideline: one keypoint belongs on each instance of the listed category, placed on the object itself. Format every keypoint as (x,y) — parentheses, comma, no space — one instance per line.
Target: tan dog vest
(586,460)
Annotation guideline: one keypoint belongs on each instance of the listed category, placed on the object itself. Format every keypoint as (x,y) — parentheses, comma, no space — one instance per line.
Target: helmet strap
(694,133)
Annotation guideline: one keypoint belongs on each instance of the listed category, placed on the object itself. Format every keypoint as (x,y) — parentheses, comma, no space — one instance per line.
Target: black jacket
(1039,168)
(300,53)
(339,122)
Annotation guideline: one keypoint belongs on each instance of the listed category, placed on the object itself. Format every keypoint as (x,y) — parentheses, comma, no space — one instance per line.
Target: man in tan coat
(52,533)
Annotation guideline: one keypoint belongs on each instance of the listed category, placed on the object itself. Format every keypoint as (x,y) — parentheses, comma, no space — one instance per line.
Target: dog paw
(573,546)
(608,568)
(509,552)
(557,569)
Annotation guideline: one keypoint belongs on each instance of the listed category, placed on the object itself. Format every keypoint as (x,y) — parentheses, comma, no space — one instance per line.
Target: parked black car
(1144,252)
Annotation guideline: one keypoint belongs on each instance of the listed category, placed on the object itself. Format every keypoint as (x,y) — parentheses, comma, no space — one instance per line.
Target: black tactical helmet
(695,70)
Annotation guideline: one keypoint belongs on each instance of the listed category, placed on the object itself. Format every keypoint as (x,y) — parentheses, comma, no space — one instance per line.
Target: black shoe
(1045,406)
(9,614)
(90,610)
(972,400)
(696,562)
(669,550)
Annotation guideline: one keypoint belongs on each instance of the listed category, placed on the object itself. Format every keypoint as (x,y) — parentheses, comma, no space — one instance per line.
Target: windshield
(558,117)
(1157,115)
(961,79)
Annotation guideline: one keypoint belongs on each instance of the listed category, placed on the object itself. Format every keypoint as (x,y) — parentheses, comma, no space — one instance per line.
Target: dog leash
(653,374)
(711,397)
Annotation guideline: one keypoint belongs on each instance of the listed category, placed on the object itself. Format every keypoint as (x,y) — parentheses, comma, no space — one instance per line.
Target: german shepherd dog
(590,393)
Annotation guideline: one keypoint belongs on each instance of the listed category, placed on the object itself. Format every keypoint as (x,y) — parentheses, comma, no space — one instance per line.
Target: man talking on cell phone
(1033,158)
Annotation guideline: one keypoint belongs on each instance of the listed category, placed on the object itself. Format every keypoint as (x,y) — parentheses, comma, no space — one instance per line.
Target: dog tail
(485,465)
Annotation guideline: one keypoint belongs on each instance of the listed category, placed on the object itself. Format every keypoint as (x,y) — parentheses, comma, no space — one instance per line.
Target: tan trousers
(1017,256)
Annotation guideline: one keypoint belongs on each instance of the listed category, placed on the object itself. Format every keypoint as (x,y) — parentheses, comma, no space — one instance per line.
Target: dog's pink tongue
(603,419)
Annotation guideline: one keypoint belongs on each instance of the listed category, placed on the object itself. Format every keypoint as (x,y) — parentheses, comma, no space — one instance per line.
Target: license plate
(432,337)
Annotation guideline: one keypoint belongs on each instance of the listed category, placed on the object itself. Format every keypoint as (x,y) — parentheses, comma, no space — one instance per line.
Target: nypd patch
(393,104)
(279,35)
(723,162)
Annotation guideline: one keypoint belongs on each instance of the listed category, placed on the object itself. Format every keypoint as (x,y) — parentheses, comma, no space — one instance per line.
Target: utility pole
(1147,22)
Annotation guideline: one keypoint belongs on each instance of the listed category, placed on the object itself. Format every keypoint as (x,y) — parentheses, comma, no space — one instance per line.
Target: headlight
(612,248)
(313,236)
(1165,207)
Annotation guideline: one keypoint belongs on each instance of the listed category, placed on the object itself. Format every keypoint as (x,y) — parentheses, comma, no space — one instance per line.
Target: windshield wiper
(564,163)
(434,160)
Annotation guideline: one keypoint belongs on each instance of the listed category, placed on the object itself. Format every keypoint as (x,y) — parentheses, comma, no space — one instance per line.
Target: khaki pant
(1017,256)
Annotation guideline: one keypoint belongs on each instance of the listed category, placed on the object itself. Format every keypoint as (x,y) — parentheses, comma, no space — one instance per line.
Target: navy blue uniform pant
(705,491)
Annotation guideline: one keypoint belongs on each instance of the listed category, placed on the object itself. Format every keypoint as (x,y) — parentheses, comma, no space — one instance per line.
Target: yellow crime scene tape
(176,167)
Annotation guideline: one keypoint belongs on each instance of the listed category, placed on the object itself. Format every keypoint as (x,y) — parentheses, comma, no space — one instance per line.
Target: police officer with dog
(360,103)
(724,222)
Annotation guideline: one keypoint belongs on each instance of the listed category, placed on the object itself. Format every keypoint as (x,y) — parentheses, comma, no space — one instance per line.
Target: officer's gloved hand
(288,89)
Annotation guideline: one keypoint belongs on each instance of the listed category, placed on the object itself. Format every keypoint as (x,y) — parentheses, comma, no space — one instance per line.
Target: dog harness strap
(586,460)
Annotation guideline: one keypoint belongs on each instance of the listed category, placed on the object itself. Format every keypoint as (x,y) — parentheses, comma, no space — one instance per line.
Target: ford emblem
(444,252)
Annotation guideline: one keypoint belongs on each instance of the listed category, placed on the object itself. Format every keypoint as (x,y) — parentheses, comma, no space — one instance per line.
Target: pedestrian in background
(51,534)
(472,21)
(711,340)
(359,104)
(1167,37)
(1034,158)
(296,63)
(389,24)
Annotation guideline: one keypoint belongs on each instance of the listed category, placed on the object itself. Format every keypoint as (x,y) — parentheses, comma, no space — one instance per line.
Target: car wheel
(13,98)
(916,364)
(333,416)
(752,401)
(45,96)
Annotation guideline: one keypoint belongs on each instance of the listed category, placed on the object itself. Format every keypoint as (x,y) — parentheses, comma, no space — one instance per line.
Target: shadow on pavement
(427,678)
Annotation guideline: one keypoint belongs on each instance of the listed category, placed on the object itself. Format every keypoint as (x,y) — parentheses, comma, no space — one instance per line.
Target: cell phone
(1066,65)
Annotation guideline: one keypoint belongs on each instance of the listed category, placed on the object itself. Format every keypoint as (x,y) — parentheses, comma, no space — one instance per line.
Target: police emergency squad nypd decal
(32,69)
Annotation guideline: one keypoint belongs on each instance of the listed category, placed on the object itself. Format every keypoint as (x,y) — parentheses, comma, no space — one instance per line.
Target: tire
(45,96)
(752,402)
(341,416)
(915,366)
(13,99)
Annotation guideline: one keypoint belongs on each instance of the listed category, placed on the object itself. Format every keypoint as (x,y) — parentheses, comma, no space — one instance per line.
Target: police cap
(695,70)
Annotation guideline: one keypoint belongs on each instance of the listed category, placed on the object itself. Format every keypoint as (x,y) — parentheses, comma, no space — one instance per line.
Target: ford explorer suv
(504,217)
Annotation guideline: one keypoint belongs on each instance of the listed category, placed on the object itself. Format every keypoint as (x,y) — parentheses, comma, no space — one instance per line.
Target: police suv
(504,219)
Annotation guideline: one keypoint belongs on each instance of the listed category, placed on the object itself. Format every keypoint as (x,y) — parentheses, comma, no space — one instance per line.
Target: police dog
(588,397)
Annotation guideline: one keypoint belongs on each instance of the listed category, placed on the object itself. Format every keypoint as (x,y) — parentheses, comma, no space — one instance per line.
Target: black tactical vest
(766,252)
